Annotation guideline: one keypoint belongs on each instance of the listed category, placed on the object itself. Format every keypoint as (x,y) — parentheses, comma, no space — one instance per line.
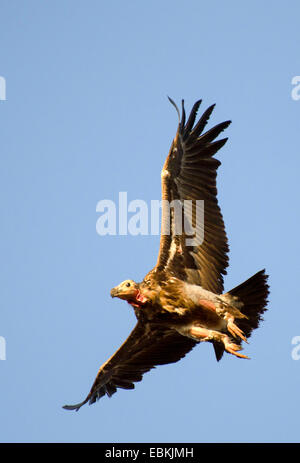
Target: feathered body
(169,301)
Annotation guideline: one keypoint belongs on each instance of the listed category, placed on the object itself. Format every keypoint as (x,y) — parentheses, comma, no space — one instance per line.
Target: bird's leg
(204,334)
(229,314)
(233,328)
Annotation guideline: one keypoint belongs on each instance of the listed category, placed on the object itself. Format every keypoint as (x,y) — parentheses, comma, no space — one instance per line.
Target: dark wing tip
(182,122)
(175,106)
(72,407)
(75,407)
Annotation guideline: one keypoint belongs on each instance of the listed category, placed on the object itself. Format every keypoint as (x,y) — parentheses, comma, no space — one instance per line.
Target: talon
(204,334)
(236,331)
(233,349)
(233,329)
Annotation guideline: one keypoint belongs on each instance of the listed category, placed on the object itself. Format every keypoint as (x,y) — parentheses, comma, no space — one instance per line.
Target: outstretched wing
(194,250)
(146,347)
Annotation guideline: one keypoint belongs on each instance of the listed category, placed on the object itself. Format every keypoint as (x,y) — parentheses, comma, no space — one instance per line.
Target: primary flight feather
(181,301)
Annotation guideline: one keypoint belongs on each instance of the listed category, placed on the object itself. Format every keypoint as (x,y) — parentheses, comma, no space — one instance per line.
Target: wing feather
(189,173)
(146,347)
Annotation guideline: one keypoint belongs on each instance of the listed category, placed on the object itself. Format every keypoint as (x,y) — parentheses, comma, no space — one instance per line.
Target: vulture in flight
(181,301)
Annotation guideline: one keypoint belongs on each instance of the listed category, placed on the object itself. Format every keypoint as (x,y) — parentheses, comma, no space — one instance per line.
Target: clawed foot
(204,334)
(233,349)
(233,329)
(236,331)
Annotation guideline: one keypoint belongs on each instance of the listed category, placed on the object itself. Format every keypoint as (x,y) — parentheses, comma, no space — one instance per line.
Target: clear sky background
(86,116)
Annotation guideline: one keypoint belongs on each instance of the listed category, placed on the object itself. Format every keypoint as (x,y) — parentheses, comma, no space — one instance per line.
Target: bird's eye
(128,284)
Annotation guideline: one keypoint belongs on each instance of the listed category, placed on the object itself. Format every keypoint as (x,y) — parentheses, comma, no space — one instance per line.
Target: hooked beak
(114,292)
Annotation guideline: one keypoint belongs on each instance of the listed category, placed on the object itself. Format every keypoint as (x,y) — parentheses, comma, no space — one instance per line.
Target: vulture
(181,301)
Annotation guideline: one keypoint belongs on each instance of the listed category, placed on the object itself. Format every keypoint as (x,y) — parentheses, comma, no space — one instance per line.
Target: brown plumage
(181,301)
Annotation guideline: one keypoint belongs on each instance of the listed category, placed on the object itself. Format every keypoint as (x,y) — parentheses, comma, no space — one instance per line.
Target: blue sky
(86,117)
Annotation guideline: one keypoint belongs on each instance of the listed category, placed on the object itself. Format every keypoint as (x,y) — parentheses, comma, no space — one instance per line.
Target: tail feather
(253,293)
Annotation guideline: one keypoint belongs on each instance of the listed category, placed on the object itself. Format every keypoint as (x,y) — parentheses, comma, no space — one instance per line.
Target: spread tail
(253,293)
